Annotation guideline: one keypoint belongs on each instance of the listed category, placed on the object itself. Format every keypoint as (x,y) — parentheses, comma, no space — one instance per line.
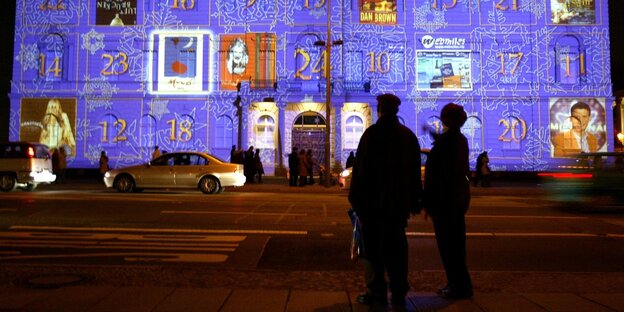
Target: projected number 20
(514,129)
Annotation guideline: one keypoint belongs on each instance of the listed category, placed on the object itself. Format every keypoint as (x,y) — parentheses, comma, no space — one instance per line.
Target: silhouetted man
(385,189)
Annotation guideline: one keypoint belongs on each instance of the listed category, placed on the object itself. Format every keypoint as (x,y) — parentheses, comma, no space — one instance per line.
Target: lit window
(354,128)
(265,132)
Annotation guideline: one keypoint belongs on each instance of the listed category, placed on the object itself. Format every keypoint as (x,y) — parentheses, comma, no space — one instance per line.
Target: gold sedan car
(177,170)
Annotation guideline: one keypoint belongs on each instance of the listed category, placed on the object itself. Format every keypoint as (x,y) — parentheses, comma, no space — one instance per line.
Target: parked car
(590,181)
(178,170)
(24,165)
(344,181)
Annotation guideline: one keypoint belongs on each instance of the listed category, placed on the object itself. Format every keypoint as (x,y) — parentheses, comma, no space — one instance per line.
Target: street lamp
(327,46)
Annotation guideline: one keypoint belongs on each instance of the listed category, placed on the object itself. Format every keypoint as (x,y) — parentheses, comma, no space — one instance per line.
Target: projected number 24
(380,62)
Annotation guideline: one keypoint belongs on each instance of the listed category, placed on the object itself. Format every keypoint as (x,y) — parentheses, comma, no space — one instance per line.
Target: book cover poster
(247,57)
(378,12)
(180,63)
(116,12)
(573,12)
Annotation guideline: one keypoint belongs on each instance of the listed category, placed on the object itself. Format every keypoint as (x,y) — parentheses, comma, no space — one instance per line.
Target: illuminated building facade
(127,75)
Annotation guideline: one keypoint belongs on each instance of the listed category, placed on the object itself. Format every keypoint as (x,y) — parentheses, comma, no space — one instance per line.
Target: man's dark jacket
(385,184)
(293,162)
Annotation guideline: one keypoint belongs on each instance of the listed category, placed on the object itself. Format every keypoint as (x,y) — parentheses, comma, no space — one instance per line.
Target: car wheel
(124,184)
(209,185)
(7,182)
(30,187)
(221,190)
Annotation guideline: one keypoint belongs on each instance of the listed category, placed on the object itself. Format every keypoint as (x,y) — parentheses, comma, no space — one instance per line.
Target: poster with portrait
(51,121)
(116,12)
(577,125)
(573,12)
(378,12)
(247,57)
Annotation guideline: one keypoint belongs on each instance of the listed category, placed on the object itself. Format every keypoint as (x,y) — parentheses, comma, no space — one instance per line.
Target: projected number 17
(513,58)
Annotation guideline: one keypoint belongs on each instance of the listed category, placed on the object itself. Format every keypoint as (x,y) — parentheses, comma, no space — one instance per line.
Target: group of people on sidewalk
(251,161)
(386,189)
(301,167)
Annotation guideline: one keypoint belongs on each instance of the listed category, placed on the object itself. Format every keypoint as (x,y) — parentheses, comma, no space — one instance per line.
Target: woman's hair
(453,116)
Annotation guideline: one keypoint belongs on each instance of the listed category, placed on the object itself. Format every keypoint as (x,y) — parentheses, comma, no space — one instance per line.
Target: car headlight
(107,175)
(345,173)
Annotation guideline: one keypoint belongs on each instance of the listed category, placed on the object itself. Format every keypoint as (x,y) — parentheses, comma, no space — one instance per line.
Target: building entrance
(309,133)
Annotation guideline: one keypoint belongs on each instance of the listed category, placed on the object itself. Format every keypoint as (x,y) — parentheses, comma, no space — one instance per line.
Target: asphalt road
(254,233)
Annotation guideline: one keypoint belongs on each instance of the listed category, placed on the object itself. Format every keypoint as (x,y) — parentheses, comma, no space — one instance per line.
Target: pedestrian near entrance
(310,167)
(303,168)
(293,166)
(350,160)
(482,170)
(249,166)
(385,189)
(259,166)
(103,165)
(446,200)
(59,164)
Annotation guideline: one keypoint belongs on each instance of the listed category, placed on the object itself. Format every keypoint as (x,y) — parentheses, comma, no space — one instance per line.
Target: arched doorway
(308,132)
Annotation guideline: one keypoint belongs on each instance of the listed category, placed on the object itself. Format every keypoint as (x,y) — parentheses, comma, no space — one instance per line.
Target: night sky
(7,22)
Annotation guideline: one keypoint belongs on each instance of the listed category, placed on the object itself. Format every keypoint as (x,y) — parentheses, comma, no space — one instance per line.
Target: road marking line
(159,231)
(527,217)
(9,252)
(493,234)
(271,214)
(287,213)
(134,256)
(126,237)
(96,245)
(137,244)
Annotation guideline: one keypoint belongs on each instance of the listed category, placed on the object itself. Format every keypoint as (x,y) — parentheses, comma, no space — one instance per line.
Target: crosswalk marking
(159,231)
(131,247)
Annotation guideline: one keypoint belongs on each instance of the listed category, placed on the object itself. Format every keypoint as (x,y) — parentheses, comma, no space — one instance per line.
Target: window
(354,128)
(265,132)
(224,132)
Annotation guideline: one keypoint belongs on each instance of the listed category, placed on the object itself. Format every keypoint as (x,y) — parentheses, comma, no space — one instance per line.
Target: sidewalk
(153,298)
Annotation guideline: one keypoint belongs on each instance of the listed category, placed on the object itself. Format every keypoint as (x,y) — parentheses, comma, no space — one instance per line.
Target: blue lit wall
(126,75)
